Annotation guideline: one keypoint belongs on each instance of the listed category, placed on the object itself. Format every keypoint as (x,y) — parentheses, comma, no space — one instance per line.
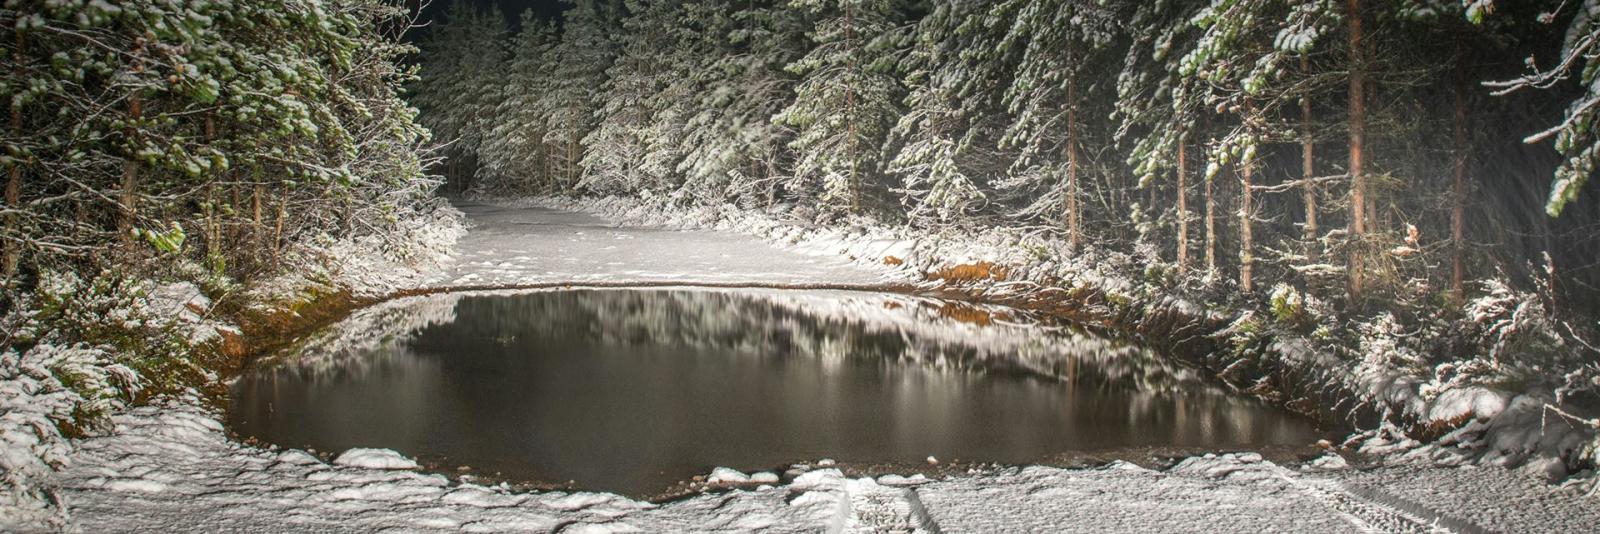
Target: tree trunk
(850,108)
(1246,210)
(213,227)
(1308,165)
(277,230)
(1358,125)
(130,171)
(1211,231)
(255,207)
(13,248)
(1183,204)
(1074,236)
(1458,199)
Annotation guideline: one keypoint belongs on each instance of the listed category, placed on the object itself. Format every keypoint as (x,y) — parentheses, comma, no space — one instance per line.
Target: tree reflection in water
(631,390)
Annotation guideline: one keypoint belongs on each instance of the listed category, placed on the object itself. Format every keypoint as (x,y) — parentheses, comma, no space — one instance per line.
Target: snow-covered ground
(172,469)
(523,246)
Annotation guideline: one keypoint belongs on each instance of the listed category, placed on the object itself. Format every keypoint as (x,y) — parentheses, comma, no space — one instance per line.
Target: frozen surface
(519,246)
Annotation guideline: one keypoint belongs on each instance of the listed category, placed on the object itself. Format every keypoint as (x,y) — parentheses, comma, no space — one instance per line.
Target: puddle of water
(631,391)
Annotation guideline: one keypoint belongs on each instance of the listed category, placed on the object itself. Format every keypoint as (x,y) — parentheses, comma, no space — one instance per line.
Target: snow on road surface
(521,246)
(172,468)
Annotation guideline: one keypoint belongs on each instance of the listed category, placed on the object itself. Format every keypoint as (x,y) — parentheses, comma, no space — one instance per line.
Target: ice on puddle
(374,459)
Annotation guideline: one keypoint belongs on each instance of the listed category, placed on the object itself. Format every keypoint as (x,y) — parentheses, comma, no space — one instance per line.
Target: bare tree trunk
(277,230)
(255,206)
(1074,235)
(1246,210)
(1211,231)
(850,109)
(772,183)
(1459,200)
(1183,204)
(13,249)
(1308,165)
(1358,126)
(213,227)
(130,171)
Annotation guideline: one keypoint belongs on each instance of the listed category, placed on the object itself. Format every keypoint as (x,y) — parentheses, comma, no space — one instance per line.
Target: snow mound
(724,475)
(374,459)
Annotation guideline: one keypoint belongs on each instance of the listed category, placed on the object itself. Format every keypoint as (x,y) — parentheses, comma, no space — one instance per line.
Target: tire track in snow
(1373,511)
(869,507)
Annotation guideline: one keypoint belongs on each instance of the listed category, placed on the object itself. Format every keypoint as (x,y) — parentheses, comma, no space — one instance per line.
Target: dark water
(631,391)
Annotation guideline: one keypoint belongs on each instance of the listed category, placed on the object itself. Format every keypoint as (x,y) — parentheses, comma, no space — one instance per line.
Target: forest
(1374,150)
(1414,172)
(1397,192)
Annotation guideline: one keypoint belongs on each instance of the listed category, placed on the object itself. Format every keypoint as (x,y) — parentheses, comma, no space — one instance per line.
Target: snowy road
(529,246)
(174,470)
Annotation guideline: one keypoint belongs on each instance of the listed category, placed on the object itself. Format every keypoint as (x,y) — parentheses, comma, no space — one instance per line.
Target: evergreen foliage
(1227,129)
(211,131)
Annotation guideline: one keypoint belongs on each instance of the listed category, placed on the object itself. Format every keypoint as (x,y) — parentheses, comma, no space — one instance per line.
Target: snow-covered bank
(98,343)
(171,469)
(1264,352)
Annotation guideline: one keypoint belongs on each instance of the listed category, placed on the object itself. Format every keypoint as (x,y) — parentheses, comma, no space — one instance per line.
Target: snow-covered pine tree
(631,96)
(1576,137)
(585,52)
(514,157)
(1246,62)
(138,119)
(847,99)
(944,142)
(1060,43)
(1465,34)
(464,56)
(691,48)
(1156,107)
(732,149)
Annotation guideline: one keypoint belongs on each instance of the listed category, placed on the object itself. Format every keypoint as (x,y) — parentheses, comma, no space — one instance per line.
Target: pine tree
(514,156)
(847,99)
(1246,61)
(951,123)
(465,55)
(616,150)
(130,118)
(731,146)
(1157,107)
(582,57)
(1575,136)
(1059,43)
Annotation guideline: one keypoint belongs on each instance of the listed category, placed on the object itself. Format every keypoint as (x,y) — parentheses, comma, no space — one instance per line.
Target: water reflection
(629,391)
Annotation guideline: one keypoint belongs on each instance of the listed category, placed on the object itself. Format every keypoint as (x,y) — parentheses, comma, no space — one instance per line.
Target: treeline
(1360,148)
(207,134)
